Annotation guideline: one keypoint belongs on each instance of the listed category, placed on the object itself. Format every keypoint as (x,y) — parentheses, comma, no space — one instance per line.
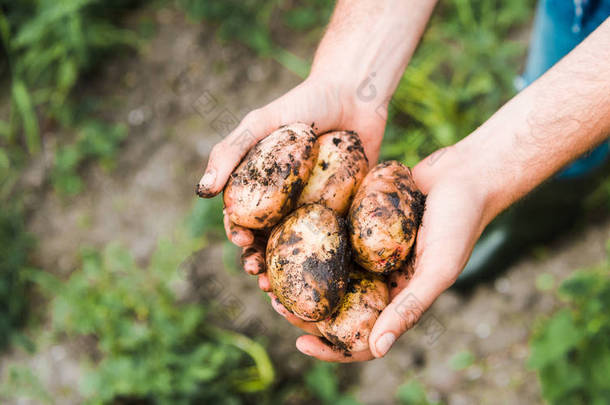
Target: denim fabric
(559,26)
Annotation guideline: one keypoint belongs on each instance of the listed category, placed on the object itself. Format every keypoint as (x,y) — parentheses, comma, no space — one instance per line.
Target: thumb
(451,225)
(298,105)
(405,310)
(438,262)
(227,154)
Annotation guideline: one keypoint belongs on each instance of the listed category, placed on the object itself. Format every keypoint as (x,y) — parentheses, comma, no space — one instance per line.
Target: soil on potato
(179,95)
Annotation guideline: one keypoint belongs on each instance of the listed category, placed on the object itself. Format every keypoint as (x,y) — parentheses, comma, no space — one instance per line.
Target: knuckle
(408,320)
(216,151)
(255,115)
(252,116)
(409,312)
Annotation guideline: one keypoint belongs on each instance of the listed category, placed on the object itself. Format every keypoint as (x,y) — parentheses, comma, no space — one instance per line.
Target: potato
(384,217)
(350,327)
(267,183)
(337,173)
(307,261)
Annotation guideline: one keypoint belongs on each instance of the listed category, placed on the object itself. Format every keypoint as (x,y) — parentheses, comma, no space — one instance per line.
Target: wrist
(456,166)
(359,99)
(367,47)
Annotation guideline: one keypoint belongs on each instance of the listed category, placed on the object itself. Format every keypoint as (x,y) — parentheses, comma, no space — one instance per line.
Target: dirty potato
(307,261)
(337,173)
(384,217)
(267,183)
(350,326)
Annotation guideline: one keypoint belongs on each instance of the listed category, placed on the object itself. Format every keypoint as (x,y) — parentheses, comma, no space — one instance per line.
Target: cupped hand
(326,106)
(454,218)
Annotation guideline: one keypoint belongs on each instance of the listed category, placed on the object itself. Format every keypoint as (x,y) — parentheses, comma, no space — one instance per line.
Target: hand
(525,142)
(453,221)
(327,106)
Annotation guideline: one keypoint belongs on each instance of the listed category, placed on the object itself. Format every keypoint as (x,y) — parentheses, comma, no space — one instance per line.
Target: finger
(442,249)
(309,327)
(309,102)
(263,282)
(403,312)
(227,154)
(322,349)
(399,279)
(252,260)
(238,235)
(371,134)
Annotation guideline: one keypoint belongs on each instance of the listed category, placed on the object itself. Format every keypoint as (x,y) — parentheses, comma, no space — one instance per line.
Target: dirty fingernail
(261,268)
(384,343)
(250,269)
(275,306)
(207,181)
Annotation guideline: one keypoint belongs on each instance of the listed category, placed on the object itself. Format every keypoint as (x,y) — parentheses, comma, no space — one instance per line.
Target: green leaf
(412,393)
(559,335)
(5,162)
(5,129)
(346,400)
(21,382)
(206,217)
(292,62)
(581,284)
(5,30)
(36,28)
(322,381)
(68,183)
(545,282)
(462,360)
(23,104)
(559,379)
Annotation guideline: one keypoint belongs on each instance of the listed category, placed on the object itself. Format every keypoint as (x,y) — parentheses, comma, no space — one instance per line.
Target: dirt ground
(177,95)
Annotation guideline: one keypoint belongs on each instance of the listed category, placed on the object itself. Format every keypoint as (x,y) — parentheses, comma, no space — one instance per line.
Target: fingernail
(207,181)
(276,307)
(261,268)
(384,343)
(301,348)
(241,240)
(249,269)
(208,178)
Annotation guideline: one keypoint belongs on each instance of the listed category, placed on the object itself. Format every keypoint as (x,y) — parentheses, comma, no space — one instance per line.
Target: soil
(177,95)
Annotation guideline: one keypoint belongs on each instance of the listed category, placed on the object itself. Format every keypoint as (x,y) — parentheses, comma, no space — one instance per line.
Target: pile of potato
(336,231)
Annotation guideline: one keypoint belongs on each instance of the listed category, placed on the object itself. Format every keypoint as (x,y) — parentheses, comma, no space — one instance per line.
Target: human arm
(552,122)
(355,71)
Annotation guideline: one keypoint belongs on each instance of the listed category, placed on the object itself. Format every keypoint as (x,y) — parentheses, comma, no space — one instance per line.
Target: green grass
(570,350)
(151,346)
(460,74)
(15,245)
(47,46)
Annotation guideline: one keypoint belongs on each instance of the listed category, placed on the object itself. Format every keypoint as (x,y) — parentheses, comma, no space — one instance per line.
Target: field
(117,285)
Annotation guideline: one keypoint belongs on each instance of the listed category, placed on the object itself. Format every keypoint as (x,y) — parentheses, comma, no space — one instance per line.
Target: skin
(555,120)
(349,87)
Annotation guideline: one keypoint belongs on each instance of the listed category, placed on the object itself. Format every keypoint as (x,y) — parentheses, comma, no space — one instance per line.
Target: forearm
(552,122)
(368,44)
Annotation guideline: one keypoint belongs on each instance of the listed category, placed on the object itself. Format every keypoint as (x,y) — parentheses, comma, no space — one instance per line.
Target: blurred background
(117,285)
